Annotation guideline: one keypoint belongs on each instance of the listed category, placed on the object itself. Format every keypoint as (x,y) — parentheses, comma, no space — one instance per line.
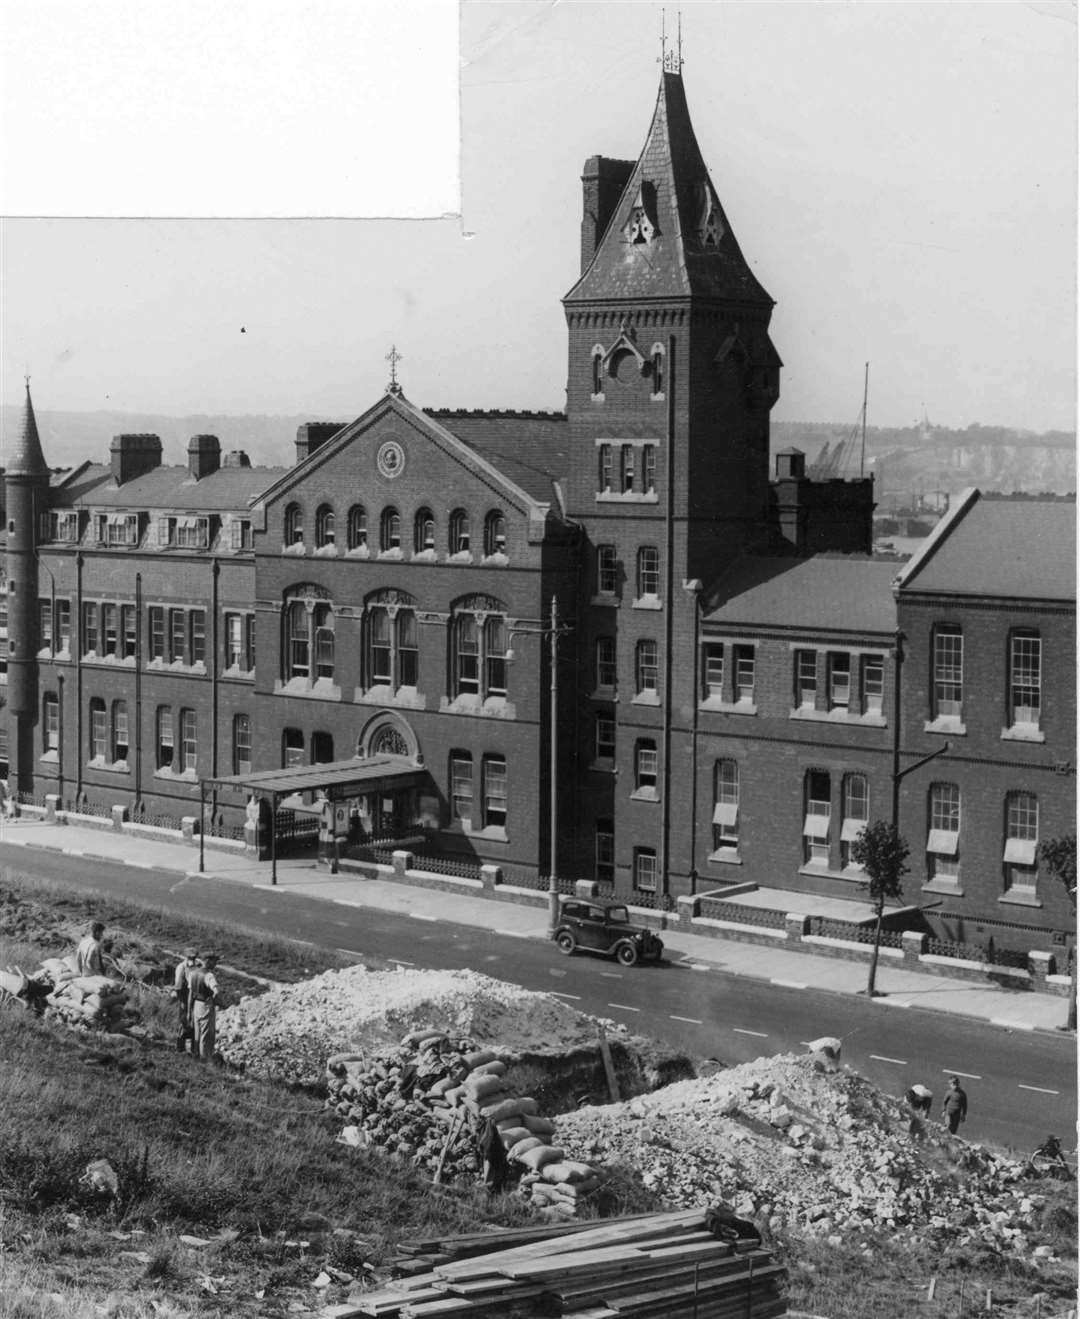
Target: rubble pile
(801,1144)
(427,1102)
(292,1030)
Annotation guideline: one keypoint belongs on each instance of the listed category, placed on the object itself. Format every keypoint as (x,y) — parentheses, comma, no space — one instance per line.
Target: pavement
(900,988)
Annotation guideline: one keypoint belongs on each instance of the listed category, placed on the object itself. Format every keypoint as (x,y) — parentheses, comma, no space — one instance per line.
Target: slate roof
(92,486)
(23,456)
(678,192)
(825,592)
(532,449)
(1012,548)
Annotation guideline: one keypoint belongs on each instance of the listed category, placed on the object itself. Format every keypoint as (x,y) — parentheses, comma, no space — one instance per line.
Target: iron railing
(718,910)
(848,930)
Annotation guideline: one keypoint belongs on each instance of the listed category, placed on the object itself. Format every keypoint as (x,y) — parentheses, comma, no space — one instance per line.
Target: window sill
(645,794)
(49,757)
(597,398)
(396,554)
(497,707)
(462,556)
(326,552)
(1023,733)
(114,661)
(297,549)
(497,560)
(603,765)
(945,724)
(176,776)
(321,689)
(949,888)
(424,556)
(627,497)
(1020,897)
(358,552)
(108,766)
(604,694)
(725,856)
(407,698)
(173,666)
(838,716)
(605,601)
(235,671)
(646,698)
(729,707)
(647,602)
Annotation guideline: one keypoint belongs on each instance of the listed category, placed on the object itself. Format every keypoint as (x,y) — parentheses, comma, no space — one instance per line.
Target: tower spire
(24,457)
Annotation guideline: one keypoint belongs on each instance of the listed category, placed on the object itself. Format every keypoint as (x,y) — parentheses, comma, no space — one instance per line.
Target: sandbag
(544,1193)
(455,1094)
(337,1060)
(483,1087)
(509,1108)
(494,1068)
(539,1126)
(478,1057)
(541,1155)
(416,1037)
(568,1170)
(523,1146)
(441,1087)
(575,1190)
(510,1134)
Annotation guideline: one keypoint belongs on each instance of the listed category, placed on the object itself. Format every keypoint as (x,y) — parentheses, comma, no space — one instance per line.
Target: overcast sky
(901,177)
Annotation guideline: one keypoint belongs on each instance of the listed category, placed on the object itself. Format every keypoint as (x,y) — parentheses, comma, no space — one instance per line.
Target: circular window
(390,459)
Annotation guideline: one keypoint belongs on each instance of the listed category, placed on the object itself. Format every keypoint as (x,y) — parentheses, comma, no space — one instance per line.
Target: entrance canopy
(338,779)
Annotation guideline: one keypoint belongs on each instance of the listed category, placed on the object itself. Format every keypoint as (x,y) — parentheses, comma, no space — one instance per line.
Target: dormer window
(710,227)
(640,227)
(116,528)
(185,533)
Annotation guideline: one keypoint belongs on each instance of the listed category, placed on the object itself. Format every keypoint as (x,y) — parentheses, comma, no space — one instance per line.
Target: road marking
(891,1002)
(556,994)
(968,1076)
(1012,1025)
(419,916)
(351,952)
(1039,1090)
(880,1057)
(611,975)
(400,961)
(553,972)
(788,984)
(623,1007)
(759,1033)
(699,966)
(692,1020)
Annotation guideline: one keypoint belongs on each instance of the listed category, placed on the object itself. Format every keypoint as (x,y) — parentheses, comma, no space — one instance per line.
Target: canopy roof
(337,778)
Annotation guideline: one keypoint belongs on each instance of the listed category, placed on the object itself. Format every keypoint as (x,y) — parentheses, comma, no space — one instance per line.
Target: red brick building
(728,703)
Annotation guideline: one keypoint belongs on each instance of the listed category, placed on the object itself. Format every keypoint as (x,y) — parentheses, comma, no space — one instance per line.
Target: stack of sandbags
(88,1000)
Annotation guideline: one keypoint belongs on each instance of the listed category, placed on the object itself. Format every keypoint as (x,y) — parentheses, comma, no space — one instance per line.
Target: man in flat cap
(188,961)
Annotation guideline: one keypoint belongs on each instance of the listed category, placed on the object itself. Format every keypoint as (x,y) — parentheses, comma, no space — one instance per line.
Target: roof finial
(393,357)
(671,61)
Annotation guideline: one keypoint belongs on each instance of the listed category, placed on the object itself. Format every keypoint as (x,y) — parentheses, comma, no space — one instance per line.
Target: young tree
(1058,855)
(882,852)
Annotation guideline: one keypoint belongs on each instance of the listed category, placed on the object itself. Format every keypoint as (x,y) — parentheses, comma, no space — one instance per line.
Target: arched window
(467,654)
(726,806)
(856,813)
(357,530)
(657,369)
(390,530)
(119,731)
(459,531)
(294,525)
(597,370)
(164,737)
(494,533)
(324,526)
(648,571)
(241,744)
(424,531)
(297,641)
(393,653)
(323,627)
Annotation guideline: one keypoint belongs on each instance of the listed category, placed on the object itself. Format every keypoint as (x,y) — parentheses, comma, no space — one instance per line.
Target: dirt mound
(291,1031)
(801,1145)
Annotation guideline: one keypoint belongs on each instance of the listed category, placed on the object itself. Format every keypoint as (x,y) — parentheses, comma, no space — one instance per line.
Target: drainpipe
(215,573)
(79,639)
(60,738)
(693,587)
(138,694)
(669,609)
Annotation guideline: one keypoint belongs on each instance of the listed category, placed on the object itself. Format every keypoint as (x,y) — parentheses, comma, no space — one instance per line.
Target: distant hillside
(913,461)
(906,461)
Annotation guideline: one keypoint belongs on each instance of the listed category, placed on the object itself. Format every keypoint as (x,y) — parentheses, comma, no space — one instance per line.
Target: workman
(203,996)
(89,956)
(188,961)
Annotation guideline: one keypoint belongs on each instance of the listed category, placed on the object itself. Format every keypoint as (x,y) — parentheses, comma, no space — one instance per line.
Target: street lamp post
(553,887)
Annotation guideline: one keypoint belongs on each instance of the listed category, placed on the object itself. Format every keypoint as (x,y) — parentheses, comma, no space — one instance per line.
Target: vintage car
(604,927)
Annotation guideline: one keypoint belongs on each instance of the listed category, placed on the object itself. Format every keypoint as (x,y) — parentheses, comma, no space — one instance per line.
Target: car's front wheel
(626,954)
(565,942)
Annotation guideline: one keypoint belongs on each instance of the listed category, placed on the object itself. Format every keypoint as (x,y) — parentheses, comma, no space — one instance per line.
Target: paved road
(1020,1085)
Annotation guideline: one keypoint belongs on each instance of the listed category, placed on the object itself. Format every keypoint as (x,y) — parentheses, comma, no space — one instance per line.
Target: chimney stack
(203,455)
(313,435)
(133,455)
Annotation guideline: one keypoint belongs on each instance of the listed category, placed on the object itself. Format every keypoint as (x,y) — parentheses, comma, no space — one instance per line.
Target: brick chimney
(602,185)
(313,435)
(237,458)
(203,455)
(133,455)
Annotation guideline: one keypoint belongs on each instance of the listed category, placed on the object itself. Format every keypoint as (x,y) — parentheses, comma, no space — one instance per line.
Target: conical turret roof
(23,456)
(669,236)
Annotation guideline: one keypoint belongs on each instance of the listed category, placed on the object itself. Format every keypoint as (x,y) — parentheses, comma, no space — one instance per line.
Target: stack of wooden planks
(651,1266)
